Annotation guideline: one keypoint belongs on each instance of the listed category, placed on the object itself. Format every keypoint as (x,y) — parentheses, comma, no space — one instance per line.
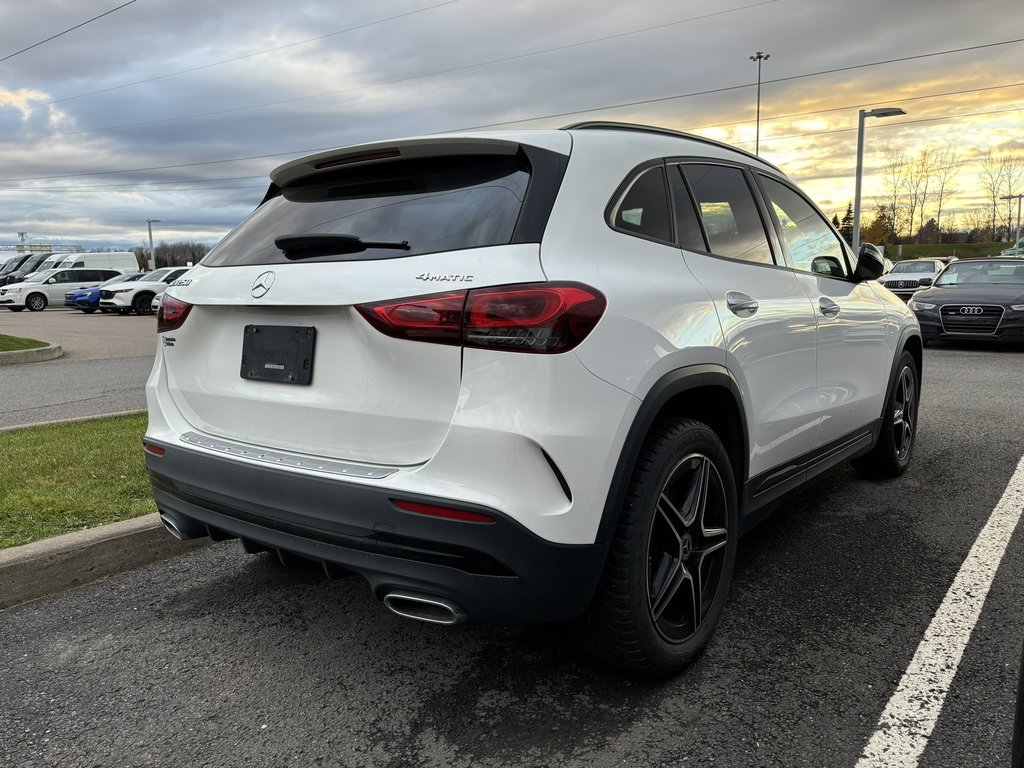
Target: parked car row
(87,288)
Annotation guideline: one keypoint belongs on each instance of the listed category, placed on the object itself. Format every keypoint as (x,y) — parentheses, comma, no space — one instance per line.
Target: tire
(36,302)
(650,613)
(88,311)
(892,453)
(142,304)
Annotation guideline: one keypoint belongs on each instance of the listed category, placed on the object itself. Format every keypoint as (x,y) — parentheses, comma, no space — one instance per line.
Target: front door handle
(828,307)
(740,304)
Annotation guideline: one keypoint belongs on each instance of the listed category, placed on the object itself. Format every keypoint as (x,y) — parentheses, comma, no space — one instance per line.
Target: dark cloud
(429,72)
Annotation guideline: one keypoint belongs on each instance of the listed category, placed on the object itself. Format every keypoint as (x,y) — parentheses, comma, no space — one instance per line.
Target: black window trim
(755,192)
(623,189)
(777,226)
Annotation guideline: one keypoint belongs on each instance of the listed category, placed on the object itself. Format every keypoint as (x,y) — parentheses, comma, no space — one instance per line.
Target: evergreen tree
(846,227)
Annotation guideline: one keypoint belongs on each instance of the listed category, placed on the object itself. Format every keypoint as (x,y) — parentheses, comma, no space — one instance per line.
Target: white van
(123,260)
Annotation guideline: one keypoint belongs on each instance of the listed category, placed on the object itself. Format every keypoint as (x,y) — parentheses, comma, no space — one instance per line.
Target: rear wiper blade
(310,246)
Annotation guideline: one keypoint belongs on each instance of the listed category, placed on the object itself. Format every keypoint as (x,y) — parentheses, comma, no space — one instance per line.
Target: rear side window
(436,204)
(728,212)
(643,209)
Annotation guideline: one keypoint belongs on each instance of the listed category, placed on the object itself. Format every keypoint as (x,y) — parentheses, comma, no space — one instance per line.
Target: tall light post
(758,57)
(152,260)
(1016,238)
(883,112)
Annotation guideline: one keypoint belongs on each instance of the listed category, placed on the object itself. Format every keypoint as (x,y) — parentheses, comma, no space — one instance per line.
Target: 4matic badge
(431,277)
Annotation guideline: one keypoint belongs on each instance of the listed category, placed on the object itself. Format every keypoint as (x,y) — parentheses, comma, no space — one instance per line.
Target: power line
(900,99)
(544,117)
(422,75)
(136,184)
(232,60)
(659,99)
(69,29)
(50,191)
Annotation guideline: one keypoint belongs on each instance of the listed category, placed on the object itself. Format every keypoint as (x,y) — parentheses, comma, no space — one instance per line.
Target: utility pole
(758,57)
(152,259)
(1008,198)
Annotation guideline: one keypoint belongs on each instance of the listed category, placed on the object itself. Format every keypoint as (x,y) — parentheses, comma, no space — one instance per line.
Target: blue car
(88,299)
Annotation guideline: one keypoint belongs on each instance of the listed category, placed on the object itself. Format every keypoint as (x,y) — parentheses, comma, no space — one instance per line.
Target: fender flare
(665,389)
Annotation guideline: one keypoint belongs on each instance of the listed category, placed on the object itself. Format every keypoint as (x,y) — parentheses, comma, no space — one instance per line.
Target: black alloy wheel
(143,304)
(670,564)
(891,455)
(686,548)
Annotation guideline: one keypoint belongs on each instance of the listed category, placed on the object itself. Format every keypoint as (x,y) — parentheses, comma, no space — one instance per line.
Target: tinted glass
(688,233)
(66,276)
(924,267)
(88,275)
(727,208)
(644,208)
(436,204)
(982,273)
(810,242)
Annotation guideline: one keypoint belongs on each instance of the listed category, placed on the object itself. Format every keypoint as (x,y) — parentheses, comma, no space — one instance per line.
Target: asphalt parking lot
(219,658)
(107,358)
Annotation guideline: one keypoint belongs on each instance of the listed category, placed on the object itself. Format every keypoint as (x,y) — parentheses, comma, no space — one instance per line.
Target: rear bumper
(496,572)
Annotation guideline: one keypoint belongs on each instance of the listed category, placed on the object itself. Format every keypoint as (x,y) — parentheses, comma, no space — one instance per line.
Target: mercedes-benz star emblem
(262,284)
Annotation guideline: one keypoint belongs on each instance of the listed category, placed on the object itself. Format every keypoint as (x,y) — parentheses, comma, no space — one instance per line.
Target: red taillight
(540,317)
(449,513)
(436,318)
(172,314)
(156,450)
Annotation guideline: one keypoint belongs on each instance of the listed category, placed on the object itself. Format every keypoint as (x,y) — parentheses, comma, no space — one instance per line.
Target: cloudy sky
(178,109)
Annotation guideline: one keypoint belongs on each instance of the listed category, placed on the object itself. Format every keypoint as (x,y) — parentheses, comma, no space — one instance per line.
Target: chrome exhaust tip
(181,527)
(434,610)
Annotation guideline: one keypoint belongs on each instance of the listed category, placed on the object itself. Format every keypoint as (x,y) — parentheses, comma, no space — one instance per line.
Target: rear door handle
(740,304)
(828,307)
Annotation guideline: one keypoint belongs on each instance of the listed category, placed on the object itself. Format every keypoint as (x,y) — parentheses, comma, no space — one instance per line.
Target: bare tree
(990,178)
(917,175)
(894,194)
(1013,176)
(946,168)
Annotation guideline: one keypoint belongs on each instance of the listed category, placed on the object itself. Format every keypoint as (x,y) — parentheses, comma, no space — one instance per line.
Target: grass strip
(14,343)
(60,478)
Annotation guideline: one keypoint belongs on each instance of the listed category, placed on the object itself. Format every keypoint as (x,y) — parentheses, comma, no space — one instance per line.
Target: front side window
(728,212)
(644,210)
(810,242)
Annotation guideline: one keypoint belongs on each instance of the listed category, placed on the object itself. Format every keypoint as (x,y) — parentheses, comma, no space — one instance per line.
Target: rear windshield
(436,204)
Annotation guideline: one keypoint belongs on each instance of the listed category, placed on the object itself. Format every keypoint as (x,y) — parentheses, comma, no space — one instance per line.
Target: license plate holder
(281,353)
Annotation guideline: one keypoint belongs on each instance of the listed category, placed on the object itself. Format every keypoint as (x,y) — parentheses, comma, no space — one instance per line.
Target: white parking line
(910,716)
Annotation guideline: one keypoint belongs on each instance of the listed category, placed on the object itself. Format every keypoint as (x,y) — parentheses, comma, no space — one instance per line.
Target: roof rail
(615,126)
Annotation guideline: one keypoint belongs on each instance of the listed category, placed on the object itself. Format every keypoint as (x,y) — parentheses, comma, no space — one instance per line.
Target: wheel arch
(708,393)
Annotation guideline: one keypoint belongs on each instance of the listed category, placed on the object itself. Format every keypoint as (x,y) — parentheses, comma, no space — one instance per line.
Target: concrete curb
(62,562)
(37,355)
(73,420)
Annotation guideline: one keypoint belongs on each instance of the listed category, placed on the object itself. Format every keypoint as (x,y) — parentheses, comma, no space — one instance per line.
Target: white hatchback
(527,376)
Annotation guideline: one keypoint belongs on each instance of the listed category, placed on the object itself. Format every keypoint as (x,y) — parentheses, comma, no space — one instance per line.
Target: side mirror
(924,282)
(51,281)
(827,265)
(870,264)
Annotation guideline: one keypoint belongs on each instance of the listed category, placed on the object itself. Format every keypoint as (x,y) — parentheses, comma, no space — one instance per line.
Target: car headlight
(916,305)
(1017,307)
(123,290)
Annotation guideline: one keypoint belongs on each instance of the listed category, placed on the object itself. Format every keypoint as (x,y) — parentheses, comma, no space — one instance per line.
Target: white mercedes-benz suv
(527,376)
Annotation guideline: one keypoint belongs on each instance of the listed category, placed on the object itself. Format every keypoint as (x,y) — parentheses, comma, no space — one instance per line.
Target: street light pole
(758,57)
(1016,238)
(152,260)
(883,112)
